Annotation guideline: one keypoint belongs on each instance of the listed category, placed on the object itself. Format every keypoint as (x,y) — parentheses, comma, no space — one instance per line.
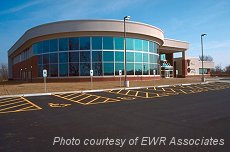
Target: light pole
(31,74)
(202,57)
(126,83)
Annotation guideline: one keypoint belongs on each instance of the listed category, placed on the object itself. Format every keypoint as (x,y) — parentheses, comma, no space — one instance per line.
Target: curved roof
(73,26)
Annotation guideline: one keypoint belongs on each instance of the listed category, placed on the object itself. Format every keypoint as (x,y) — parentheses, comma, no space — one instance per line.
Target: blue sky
(179,19)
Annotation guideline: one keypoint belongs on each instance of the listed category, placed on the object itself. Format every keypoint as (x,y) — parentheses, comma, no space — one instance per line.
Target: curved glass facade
(75,56)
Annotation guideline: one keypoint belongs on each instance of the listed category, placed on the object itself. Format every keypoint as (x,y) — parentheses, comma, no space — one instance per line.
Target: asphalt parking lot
(183,111)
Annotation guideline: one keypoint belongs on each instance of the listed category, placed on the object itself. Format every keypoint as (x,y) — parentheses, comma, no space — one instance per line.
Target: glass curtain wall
(76,56)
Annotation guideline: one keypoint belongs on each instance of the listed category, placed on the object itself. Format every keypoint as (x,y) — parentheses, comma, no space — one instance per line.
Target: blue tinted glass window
(63,70)
(108,43)
(119,56)
(155,48)
(97,56)
(119,43)
(156,58)
(153,67)
(138,45)
(108,56)
(151,47)
(205,70)
(162,57)
(46,46)
(97,69)
(35,48)
(138,69)
(108,69)
(40,59)
(130,69)
(129,44)
(119,66)
(151,58)
(73,56)
(63,57)
(138,57)
(74,43)
(40,70)
(40,47)
(53,58)
(63,44)
(85,43)
(53,45)
(96,43)
(73,69)
(145,68)
(84,69)
(54,70)
(130,56)
(145,57)
(46,59)
(85,56)
(145,45)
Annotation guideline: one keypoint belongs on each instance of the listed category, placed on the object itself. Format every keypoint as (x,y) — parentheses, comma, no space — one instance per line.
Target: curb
(99,90)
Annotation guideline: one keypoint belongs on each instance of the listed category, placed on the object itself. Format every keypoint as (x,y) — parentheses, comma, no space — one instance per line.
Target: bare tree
(3,72)
(206,58)
(217,70)
(227,69)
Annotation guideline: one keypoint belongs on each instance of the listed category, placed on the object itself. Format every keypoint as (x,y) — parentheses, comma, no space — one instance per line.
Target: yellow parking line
(127,92)
(24,109)
(5,99)
(93,100)
(11,103)
(68,95)
(68,99)
(119,91)
(173,90)
(84,98)
(136,93)
(199,88)
(13,107)
(31,103)
(75,96)
(192,91)
(10,100)
(106,100)
(147,95)
(190,87)
(183,91)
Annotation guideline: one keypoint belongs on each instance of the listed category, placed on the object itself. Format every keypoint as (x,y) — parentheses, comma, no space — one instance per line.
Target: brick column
(184,65)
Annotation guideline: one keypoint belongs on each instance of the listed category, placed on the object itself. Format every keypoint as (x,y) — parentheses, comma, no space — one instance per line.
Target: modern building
(70,49)
(194,66)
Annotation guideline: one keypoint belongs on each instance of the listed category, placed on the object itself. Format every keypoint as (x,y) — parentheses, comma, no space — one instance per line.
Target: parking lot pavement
(181,111)
(65,100)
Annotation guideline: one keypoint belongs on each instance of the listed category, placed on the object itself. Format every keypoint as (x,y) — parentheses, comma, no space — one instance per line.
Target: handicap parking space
(125,94)
(81,99)
(85,98)
(138,93)
(110,94)
(212,86)
(16,104)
